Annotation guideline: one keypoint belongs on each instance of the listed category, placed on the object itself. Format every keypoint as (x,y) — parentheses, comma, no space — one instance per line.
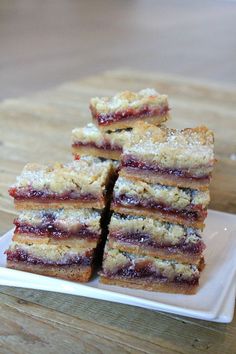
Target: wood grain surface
(38,128)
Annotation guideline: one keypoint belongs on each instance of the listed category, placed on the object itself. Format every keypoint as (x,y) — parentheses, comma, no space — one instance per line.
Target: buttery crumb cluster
(135,186)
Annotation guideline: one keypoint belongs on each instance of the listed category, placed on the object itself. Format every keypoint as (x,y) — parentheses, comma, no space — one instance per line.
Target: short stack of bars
(61,210)
(160,202)
(113,118)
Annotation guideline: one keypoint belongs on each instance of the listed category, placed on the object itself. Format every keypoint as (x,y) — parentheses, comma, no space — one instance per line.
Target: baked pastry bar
(149,273)
(79,184)
(90,140)
(65,260)
(178,205)
(146,236)
(127,108)
(183,158)
(59,224)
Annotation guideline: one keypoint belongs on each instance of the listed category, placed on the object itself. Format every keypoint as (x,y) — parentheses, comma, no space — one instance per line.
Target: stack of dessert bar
(113,118)
(59,227)
(160,202)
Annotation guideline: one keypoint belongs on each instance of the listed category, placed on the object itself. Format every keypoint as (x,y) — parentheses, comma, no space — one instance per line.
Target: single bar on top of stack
(58,230)
(160,201)
(112,116)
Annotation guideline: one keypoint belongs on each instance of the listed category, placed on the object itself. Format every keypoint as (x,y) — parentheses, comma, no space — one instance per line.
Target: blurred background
(44,43)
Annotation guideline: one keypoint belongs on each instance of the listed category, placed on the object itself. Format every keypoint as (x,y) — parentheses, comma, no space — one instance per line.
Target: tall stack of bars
(61,209)
(160,202)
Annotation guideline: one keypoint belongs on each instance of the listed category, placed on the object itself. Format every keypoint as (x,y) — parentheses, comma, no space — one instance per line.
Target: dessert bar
(149,273)
(127,108)
(64,260)
(59,224)
(146,236)
(183,158)
(90,140)
(79,184)
(178,205)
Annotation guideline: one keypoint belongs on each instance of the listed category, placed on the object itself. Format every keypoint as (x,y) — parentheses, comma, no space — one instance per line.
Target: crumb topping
(48,252)
(160,231)
(172,147)
(87,175)
(91,134)
(127,99)
(176,197)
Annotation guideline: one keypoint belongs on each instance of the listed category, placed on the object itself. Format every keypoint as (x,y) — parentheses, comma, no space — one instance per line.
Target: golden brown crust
(167,180)
(130,123)
(157,215)
(72,272)
(200,135)
(95,151)
(174,288)
(160,253)
(66,204)
(71,242)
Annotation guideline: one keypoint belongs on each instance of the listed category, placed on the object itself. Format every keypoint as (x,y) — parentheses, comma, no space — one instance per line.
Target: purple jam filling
(194,215)
(44,195)
(49,229)
(142,239)
(104,146)
(146,272)
(132,163)
(20,255)
(109,118)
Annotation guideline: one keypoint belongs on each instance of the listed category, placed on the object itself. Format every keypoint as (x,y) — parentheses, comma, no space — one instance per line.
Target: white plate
(214,300)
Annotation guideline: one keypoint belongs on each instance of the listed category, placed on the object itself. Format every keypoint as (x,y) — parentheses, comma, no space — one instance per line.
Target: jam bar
(150,273)
(182,158)
(145,236)
(79,184)
(59,224)
(91,141)
(59,259)
(172,204)
(127,108)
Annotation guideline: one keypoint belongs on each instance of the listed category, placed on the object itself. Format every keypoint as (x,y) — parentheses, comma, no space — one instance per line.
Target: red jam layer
(104,146)
(133,163)
(193,213)
(146,272)
(48,229)
(142,239)
(47,196)
(20,255)
(109,118)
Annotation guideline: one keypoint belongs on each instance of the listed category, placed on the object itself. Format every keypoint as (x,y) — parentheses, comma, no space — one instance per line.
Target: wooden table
(38,128)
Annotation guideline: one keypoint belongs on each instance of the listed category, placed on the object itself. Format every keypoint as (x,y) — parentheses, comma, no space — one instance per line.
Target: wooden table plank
(156,332)
(38,128)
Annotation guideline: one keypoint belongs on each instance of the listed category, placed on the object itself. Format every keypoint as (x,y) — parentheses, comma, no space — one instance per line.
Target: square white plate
(214,300)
